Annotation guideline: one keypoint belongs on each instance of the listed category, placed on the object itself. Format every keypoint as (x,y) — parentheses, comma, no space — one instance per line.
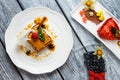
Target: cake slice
(39,42)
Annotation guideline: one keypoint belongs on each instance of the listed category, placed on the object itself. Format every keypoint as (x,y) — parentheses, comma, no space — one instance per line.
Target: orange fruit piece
(88,3)
(99,52)
(81,13)
(84,19)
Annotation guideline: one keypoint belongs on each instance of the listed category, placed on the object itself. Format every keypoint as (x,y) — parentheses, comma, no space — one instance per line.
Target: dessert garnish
(89,4)
(109,30)
(34,35)
(118,43)
(89,13)
(41,34)
(37,38)
(95,65)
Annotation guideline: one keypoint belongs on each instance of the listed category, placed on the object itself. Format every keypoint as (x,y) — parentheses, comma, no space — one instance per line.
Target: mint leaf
(42,37)
(41,34)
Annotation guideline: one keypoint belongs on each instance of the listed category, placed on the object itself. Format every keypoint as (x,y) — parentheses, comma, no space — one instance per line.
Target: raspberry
(100,78)
(96,75)
(91,78)
(91,73)
(102,74)
(34,35)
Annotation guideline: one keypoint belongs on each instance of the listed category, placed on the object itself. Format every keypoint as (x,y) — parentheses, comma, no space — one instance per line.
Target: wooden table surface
(74,68)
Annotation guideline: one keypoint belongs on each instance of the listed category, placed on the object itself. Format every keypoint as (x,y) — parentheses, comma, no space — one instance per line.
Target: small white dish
(92,27)
(64,41)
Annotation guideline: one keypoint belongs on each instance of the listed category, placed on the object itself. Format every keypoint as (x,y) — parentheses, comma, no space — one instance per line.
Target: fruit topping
(81,13)
(89,4)
(84,19)
(91,13)
(101,18)
(34,35)
(99,52)
(113,30)
(95,65)
(109,30)
(99,13)
(91,78)
(118,43)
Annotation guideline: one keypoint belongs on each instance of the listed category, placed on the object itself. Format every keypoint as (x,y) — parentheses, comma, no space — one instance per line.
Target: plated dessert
(109,31)
(95,63)
(100,22)
(89,12)
(37,38)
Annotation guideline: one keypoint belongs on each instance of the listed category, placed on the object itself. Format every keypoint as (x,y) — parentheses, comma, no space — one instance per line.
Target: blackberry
(113,30)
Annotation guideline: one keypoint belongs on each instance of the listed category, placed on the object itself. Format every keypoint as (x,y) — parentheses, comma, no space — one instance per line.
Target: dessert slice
(38,38)
(95,64)
(109,30)
(89,12)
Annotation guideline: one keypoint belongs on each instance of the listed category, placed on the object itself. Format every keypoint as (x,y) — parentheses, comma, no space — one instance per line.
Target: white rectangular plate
(91,27)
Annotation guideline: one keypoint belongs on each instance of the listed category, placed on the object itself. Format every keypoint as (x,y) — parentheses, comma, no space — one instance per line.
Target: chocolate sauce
(93,18)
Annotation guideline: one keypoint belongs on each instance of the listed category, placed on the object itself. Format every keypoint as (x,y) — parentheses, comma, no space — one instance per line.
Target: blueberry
(86,56)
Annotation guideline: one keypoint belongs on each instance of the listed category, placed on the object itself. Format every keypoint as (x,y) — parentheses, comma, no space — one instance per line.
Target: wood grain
(7,69)
(8,10)
(89,41)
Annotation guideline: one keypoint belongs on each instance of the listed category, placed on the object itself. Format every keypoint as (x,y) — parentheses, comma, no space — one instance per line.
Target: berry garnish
(109,30)
(91,73)
(113,30)
(34,35)
(95,65)
(91,78)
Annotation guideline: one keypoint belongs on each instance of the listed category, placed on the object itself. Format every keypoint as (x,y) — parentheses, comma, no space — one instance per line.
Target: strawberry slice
(109,30)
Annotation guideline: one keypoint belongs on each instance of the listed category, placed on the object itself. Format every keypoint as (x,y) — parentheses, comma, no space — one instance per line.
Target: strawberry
(91,73)
(109,30)
(34,35)
(91,78)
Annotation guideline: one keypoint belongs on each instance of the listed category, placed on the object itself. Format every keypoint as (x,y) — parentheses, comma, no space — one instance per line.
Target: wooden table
(74,68)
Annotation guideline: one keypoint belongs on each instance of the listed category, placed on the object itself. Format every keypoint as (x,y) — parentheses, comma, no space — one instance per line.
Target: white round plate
(64,41)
